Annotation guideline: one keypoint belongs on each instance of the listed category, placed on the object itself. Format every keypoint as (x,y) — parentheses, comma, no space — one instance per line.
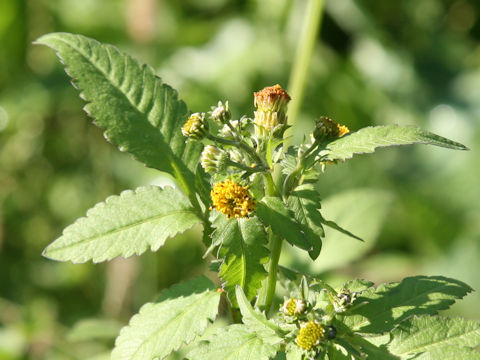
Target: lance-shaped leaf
(436,338)
(140,114)
(274,213)
(380,309)
(234,342)
(304,203)
(366,140)
(242,247)
(256,321)
(125,225)
(182,312)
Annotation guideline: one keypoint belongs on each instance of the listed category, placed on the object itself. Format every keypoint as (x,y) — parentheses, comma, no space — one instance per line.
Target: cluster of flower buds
(271,114)
(327,129)
(344,300)
(196,127)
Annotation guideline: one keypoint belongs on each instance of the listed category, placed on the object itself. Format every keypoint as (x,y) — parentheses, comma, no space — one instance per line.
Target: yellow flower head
(310,335)
(232,199)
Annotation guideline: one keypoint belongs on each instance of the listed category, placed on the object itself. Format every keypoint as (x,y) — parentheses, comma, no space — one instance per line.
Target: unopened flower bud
(327,129)
(227,131)
(213,159)
(196,126)
(271,104)
(221,112)
(293,307)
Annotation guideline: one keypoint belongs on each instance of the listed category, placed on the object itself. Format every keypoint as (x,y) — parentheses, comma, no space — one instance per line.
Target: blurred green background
(375,62)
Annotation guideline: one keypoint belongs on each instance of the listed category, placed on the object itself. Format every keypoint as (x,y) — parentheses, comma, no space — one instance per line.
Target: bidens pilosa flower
(292,307)
(271,103)
(310,335)
(327,129)
(195,127)
(221,112)
(232,199)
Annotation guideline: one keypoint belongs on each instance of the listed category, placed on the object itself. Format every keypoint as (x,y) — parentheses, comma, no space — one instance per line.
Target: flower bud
(226,131)
(327,129)
(221,112)
(344,300)
(292,307)
(271,104)
(195,127)
(213,159)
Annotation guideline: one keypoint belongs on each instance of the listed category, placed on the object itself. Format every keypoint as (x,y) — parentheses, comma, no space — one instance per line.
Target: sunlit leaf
(242,247)
(182,312)
(380,309)
(436,337)
(125,225)
(366,140)
(140,114)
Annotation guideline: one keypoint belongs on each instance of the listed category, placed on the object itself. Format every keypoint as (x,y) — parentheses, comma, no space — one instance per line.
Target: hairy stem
(298,76)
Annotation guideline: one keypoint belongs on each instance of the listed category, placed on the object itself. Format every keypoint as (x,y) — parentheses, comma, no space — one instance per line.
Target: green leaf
(304,203)
(335,226)
(366,140)
(140,114)
(361,210)
(125,225)
(242,248)
(293,351)
(336,352)
(256,321)
(234,342)
(182,312)
(274,213)
(380,309)
(447,338)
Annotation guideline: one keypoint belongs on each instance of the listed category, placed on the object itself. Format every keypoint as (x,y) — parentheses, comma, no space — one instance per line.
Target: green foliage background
(376,63)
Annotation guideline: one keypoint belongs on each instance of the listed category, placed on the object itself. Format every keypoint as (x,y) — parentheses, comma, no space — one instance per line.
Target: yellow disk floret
(232,199)
(310,335)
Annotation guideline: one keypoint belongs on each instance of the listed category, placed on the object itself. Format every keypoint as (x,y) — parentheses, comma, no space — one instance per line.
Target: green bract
(253,195)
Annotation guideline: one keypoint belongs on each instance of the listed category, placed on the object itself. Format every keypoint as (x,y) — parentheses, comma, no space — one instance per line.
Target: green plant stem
(267,292)
(298,76)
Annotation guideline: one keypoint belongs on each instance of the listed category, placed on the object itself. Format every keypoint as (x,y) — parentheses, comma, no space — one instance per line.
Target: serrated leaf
(242,247)
(380,309)
(125,225)
(366,140)
(234,342)
(182,312)
(360,210)
(274,213)
(435,335)
(304,203)
(140,114)
(256,321)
